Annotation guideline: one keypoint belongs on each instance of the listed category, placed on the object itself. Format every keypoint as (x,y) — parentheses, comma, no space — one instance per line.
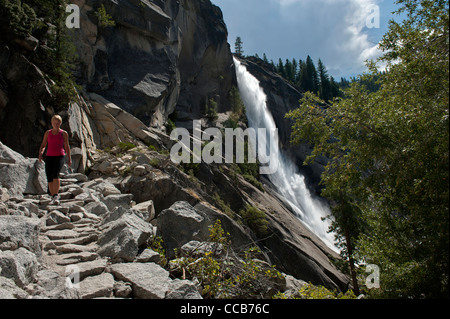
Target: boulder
(181,224)
(149,255)
(19,231)
(20,265)
(9,290)
(123,235)
(148,280)
(51,285)
(97,207)
(97,286)
(55,217)
(147,209)
(21,175)
(163,190)
(118,200)
(183,289)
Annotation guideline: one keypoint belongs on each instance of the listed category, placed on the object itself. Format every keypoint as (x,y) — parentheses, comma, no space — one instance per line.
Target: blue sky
(342,33)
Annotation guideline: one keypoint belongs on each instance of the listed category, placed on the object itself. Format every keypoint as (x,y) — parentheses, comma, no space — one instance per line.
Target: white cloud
(336,31)
(339,29)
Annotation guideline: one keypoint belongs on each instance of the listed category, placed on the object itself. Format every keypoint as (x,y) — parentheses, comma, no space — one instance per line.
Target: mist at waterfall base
(289,183)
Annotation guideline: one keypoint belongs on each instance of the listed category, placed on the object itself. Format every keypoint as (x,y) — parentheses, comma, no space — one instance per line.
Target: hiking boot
(56,199)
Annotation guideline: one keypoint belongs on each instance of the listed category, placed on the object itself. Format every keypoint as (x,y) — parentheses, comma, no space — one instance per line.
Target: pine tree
(280,68)
(324,82)
(312,81)
(288,71)
(302,78)
(294,70)
(238,46)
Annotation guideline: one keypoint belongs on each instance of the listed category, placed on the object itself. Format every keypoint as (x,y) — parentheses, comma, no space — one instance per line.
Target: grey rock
(180,224)
(91,268)
(197,249)
(147,208)
(149,255)
(114,201)
(61,234)
(50,284)
(149,281)
(97,207)
(20,265)
(77,176)
(122,238)
(19,231)
(182,289)
(21,175)
(97,286)
(122,289)
(9,290)
(56,217)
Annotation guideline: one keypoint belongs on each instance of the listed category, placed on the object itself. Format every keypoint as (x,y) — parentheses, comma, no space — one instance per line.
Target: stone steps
(92,240)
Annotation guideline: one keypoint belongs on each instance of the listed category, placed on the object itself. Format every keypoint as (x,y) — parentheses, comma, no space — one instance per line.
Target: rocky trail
(88,246)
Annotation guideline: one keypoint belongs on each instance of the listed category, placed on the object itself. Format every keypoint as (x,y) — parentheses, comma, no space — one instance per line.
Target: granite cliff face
(161,58)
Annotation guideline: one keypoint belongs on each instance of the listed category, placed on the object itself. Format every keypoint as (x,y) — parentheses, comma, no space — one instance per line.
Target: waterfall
(289,183)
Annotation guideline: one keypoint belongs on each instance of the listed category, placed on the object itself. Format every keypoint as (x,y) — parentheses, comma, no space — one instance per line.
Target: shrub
(104,19)
(310,291)
(211,109)
(223,277)
(126,146)
(255,219)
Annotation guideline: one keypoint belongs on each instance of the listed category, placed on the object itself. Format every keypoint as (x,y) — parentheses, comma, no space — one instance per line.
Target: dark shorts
(53,166)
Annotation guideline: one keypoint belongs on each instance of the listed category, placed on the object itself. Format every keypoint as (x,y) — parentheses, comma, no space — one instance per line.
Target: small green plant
(255,219)
(104,19)
(170,126)
(156,244)
(126,146)
(222,205)
(310,291)
(252,180)
(155,162)
(211,109)
(217,234)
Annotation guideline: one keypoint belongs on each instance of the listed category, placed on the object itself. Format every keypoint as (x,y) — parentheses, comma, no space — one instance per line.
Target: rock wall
(160,57)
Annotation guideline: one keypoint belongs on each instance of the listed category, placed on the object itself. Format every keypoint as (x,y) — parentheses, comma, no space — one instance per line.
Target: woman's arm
(67,148)
(43,145)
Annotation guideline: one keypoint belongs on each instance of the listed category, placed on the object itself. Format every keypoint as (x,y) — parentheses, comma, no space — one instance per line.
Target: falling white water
(289,182)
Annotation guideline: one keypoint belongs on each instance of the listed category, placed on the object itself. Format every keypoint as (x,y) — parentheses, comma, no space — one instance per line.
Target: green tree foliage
(237,105)
(255,219)
(211,109)
(325,90)
(388,174)
(104,19)
(17,18)
(239,46)
(45,20)
(305,76)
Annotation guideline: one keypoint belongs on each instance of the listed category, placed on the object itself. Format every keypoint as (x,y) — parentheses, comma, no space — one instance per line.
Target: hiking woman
(57,142)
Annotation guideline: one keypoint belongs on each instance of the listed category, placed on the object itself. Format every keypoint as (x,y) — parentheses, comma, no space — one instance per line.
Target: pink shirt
(55,144)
